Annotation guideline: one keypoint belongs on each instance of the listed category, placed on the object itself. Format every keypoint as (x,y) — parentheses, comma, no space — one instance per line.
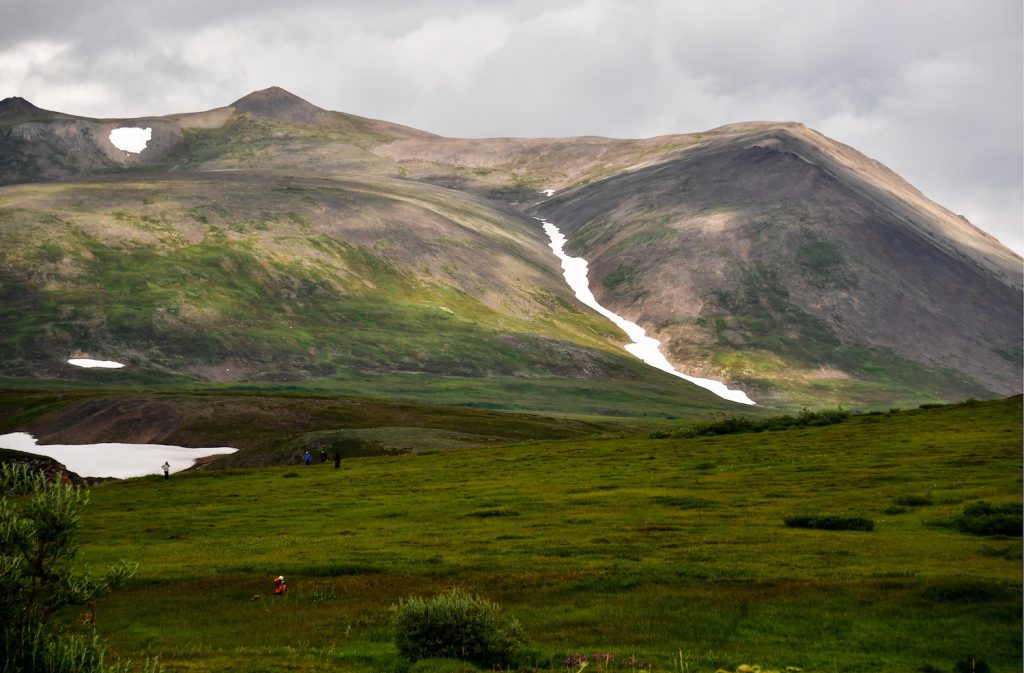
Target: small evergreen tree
(39,520)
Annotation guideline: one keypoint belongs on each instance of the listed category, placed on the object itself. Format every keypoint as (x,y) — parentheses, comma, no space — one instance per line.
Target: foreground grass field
(664,549)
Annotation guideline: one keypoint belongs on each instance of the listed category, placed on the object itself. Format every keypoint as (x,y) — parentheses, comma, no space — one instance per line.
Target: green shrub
(455,625)
(737,425)
(828,522)
(493,512)
(682,501)
(961,590)
(1013,552)
(971,665)
(982,518)
(913,500)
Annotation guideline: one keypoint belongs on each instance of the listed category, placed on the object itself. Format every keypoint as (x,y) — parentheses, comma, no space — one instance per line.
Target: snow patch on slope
(131,139)
(642,347)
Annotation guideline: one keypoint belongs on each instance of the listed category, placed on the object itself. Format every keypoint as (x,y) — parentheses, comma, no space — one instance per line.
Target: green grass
(630,546)
(252,281)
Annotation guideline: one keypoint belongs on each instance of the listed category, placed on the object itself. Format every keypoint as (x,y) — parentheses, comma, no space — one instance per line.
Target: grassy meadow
(671,550)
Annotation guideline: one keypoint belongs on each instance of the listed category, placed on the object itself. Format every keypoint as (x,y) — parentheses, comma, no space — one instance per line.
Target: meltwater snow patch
(94,364)
(642,347)
(131,138)
(112,459)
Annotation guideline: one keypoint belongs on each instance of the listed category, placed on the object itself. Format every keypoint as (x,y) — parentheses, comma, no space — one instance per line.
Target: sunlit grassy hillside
(345,284)
(646,547)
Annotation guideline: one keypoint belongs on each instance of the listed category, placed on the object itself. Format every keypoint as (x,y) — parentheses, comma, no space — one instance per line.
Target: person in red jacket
(279,585)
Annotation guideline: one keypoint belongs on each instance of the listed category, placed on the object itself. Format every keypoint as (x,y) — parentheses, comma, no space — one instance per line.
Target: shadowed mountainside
(776,256)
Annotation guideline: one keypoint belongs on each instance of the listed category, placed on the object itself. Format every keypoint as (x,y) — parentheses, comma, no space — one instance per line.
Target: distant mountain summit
(16,105)
(283,106)
(17,109)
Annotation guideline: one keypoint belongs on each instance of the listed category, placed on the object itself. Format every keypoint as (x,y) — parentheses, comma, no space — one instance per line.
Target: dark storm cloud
(931,89)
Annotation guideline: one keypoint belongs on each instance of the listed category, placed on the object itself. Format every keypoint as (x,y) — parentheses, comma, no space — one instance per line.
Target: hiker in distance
(167,469)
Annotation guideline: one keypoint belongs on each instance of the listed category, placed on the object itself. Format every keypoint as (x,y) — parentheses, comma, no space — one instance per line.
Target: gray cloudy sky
(932,88)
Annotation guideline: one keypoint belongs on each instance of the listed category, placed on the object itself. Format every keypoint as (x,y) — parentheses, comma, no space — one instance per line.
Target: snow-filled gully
(642,347)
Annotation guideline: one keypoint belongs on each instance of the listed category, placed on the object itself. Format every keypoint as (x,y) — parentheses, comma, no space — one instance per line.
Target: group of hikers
(308,458)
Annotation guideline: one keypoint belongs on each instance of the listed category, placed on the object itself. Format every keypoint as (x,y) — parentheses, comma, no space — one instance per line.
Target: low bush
(913,500)
(982,518)
(493,512)
(971,665)
(961,590)
(455,625)
(828,522)
(1013,552)
(737,425)
(682,501)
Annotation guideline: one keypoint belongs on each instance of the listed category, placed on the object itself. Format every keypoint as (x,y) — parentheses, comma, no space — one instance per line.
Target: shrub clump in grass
(737,425)
(982,518)
(911,500)
(829,522)
(493,512)
(962,590)
(971,665)
(682,501)
(455,625)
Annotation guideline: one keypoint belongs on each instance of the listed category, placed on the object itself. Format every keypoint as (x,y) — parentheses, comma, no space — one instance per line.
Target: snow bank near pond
(112,459)
(643,347)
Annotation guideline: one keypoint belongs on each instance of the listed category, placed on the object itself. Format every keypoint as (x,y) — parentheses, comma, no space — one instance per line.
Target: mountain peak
(16,109)
(16,106)
(276,103)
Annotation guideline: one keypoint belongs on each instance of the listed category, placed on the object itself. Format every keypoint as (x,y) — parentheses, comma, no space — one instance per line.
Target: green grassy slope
(630,546)
(346,284)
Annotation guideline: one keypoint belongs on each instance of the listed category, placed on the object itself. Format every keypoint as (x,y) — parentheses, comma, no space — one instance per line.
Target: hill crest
(281,105)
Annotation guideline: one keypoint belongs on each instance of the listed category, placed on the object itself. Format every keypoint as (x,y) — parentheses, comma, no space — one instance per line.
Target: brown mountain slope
(761,253)
(773,255)
(265,129)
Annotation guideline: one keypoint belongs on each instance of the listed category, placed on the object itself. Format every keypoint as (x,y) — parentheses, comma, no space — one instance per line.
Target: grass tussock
(739,424)
(981,518)
(829,522)
(912,500)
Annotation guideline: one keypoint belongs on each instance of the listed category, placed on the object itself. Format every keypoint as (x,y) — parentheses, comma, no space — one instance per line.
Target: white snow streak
(643,347)
(89,364)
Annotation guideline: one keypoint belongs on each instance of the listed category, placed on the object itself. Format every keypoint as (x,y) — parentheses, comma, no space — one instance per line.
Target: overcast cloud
(934,89)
